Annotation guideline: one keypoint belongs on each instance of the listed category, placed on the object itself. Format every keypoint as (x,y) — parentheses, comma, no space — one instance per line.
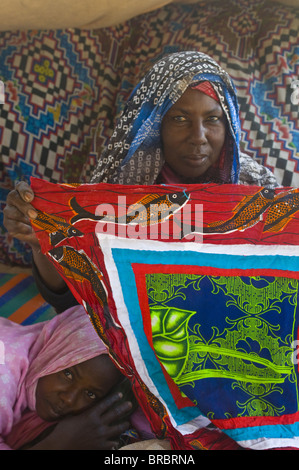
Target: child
(55,379)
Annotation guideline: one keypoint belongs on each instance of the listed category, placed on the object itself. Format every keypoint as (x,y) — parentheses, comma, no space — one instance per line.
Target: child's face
(75,389)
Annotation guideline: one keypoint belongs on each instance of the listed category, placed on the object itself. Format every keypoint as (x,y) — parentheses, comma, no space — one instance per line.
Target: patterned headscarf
(134,154)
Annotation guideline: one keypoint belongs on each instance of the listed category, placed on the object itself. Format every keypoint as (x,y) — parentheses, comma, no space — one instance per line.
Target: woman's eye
(214,118)
(179,118)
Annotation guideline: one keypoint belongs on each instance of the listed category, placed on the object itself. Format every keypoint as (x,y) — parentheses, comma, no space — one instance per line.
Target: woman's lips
(196,160)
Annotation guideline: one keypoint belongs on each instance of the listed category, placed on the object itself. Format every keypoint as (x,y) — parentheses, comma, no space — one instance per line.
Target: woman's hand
(97,428)
(18,212)
(17,215)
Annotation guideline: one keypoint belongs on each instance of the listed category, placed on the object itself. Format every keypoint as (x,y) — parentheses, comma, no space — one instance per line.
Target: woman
(180,125)
(54,379)
(138,149)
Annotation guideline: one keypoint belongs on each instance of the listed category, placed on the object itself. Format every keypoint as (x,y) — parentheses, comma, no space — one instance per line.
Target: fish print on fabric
(101,327)
(158,408)
(57,227)
(76,265)
(247,213)
(98,326)
(149,210)
(285,205)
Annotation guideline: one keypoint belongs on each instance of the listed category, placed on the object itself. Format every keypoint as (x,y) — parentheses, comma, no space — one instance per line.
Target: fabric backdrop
(64,88)
(90,14)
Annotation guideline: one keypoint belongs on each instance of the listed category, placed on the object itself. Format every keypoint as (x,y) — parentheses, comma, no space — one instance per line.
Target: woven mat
(20,300)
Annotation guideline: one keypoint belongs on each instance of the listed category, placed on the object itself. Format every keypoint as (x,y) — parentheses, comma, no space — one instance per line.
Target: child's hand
(94,429)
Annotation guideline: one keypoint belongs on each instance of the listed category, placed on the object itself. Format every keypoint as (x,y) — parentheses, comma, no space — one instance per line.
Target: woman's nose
(198,134)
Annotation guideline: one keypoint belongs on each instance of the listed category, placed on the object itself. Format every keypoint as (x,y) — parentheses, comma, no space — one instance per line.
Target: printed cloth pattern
(64,89)
(194,291)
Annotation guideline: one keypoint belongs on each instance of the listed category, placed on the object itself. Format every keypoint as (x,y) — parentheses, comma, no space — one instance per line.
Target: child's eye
(91,395)
(68,373)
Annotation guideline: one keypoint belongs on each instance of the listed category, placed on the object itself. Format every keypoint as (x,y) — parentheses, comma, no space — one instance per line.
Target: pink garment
(168,176)
(31,352)
(26,430)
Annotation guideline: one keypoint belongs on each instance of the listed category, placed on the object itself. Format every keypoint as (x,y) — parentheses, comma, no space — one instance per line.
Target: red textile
(70,226)
(207,89)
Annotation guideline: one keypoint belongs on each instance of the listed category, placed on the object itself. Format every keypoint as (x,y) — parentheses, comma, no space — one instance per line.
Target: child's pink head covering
(32,352)
(66,340)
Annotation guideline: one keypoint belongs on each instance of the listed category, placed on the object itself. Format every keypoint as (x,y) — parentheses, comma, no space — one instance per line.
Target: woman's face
(193,134)
(75,389)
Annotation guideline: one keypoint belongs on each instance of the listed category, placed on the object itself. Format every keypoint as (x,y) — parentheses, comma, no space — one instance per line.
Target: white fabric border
(270,443)
(110,241)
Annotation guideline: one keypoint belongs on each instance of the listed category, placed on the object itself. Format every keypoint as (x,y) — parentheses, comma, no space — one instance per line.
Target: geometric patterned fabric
(65,88)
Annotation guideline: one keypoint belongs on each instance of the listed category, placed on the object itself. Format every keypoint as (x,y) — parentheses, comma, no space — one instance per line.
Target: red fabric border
(143,269)
(251,421)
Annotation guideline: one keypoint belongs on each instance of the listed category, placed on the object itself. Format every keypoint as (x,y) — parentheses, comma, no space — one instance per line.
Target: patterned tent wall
(64,88)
